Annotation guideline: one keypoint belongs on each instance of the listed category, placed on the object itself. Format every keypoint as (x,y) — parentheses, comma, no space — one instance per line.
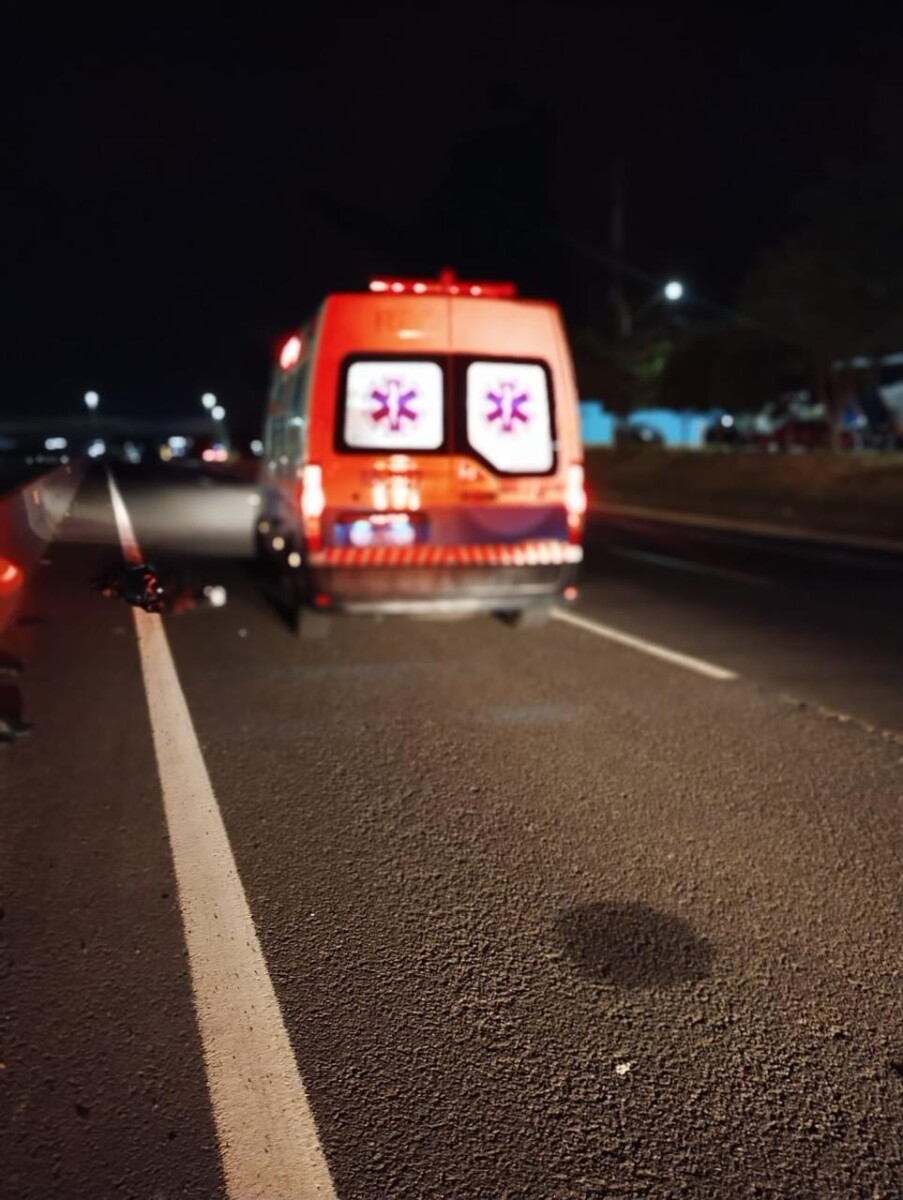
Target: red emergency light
(290,354)
(447,284)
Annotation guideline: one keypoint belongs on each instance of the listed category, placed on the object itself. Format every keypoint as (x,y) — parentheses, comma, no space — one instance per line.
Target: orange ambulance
(422,453)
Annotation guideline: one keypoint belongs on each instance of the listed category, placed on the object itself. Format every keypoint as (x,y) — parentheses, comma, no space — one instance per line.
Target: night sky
(182,195)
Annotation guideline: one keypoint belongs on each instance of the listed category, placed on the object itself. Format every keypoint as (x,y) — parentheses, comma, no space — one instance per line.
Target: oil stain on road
(631,946)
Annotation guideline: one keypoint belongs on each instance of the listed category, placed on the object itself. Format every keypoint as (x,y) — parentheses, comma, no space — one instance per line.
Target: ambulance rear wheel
(526,618)
(314,626)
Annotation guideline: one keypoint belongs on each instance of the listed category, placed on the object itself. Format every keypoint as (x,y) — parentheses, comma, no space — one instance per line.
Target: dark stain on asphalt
(632,946)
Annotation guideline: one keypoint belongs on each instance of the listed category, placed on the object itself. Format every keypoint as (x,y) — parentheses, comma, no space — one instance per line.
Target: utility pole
(622,314)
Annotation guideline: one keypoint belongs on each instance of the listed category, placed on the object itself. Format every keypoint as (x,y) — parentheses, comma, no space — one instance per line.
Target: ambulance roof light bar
(447,284)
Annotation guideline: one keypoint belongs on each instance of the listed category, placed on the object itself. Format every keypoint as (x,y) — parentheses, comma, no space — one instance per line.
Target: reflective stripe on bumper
(505,554)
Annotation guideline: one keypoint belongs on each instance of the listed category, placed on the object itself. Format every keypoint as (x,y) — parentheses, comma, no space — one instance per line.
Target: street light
(218,413)
(672,292)
(208,400)
(92,400)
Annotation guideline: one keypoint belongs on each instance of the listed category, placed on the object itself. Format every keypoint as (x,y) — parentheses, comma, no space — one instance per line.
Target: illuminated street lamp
(218,412)
(209,401)
(672,292)
(91,401)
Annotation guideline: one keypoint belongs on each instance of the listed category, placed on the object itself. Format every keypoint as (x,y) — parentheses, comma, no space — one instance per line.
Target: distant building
(663,425)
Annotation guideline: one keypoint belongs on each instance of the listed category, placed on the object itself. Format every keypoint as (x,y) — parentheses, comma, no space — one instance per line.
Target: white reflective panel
(508,419)
(394,406)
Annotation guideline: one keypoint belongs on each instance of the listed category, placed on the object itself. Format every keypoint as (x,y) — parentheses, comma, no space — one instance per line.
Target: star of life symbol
(393,403)
(508,404)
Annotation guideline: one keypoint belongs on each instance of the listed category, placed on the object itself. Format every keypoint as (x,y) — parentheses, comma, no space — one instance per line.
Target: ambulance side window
(297,408)
(275,441)
(280,455)
(295,443)
(270,433)
(301,401)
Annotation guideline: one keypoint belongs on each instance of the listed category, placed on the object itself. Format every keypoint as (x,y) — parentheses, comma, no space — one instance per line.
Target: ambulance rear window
(508,415)
(393,405)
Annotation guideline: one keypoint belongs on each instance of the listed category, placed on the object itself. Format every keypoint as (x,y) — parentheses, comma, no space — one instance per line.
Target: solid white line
(691,568)
(130,548)
(766,529)
(267,1136)
(699,665)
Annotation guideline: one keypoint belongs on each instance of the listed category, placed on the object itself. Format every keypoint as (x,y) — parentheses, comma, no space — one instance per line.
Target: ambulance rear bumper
(460,580)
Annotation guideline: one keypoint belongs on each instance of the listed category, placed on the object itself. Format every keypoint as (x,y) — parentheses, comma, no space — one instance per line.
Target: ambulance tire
(314,626)
(535,617)
(311,624)
(261,551)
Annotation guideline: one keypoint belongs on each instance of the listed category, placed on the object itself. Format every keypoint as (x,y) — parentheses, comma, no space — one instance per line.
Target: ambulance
(422,454)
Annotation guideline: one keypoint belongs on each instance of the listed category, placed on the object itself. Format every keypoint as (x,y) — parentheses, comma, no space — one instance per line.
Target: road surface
(448,909)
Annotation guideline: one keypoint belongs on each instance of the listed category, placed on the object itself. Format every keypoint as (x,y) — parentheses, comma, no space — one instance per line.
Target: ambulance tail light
(313,502)
(313,498)
(575,500)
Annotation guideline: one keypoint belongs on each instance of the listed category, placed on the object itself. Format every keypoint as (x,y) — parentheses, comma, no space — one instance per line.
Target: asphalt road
(546,915)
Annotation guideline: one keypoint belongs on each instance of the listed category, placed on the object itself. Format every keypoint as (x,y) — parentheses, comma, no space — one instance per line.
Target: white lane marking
(691,568)
(761,529)
(625,639)
(130,548)
(267,1135)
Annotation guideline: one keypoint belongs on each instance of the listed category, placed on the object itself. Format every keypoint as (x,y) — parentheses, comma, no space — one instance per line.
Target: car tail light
(11,576)
(575,500)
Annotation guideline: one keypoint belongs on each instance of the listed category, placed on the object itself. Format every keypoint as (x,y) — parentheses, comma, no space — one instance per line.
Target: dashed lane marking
(699,665)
